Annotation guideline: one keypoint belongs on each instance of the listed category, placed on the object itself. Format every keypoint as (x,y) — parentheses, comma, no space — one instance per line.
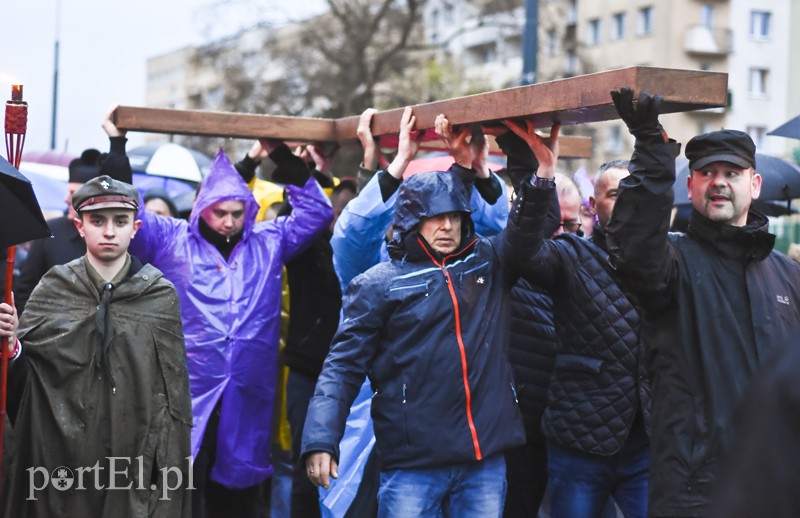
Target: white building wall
(751,109)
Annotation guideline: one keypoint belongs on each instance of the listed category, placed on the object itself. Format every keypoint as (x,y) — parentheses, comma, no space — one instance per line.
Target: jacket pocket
(410,288)
(404,401)
(578,363)
(476,274)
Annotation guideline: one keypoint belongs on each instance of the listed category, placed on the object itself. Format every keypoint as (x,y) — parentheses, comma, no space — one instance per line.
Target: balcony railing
(701,40)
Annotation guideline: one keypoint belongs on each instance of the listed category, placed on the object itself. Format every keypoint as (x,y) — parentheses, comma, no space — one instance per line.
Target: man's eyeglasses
(570,226)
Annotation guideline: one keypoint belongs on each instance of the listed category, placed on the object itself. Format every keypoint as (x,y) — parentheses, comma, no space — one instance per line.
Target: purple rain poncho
(231,313)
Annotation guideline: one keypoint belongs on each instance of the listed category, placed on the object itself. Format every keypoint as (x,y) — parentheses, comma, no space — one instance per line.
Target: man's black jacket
(714,300)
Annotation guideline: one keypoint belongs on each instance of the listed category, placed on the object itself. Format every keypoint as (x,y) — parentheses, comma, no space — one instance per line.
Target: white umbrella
(170,160)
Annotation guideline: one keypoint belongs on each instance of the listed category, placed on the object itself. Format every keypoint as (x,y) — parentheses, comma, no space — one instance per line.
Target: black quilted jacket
(598,383)
(532,351)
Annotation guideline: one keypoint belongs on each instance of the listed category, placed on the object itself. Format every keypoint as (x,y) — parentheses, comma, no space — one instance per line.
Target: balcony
(702,41)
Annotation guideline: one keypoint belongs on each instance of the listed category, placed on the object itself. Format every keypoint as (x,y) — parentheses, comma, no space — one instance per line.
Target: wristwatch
(543,183)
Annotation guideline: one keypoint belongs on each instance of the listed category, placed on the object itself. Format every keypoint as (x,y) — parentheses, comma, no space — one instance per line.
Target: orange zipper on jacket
(461,349)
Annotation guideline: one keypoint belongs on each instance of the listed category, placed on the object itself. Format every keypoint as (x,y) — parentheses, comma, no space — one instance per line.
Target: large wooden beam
(224,124)
(575,100)
(294,129)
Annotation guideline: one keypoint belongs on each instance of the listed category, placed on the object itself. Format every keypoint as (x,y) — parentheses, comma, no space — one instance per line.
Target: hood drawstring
(105,333)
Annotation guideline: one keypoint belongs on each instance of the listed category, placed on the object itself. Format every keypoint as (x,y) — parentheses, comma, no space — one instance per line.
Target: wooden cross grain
(575,100)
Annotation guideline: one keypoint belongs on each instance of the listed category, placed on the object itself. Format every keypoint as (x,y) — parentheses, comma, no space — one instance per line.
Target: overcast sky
(104,45)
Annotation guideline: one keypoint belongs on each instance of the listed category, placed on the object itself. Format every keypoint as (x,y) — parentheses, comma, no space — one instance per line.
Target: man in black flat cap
(714,300)
(66,244)
(98,387)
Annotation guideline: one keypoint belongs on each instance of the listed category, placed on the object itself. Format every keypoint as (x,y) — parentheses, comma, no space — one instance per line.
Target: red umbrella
(443,163)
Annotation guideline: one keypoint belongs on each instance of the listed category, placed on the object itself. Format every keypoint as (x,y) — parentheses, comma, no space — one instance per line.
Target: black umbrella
(21,219)
(781,184)
(790,129)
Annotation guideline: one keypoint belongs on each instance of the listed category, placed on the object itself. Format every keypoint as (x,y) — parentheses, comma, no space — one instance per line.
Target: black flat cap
(732,146)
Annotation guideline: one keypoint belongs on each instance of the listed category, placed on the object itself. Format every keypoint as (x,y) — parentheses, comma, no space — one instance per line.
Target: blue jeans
(580,484)
(473,489)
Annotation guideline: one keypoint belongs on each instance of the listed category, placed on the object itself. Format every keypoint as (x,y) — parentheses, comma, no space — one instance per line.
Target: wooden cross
(575,100)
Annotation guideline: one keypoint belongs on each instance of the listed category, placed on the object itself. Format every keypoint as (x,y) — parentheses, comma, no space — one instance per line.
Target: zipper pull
(404,393)
(514,391)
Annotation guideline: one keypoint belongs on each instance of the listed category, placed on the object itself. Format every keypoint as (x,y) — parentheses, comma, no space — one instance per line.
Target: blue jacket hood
(426,195)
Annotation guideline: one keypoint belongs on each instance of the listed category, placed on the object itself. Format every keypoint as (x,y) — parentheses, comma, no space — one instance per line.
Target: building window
(757,133)
(618,26)
(214,97)
(758,81)
(572,12)
(614,141)
(759,24)
(593,32)
(488,53)
(449,13)
(552,42)
(644,21)
(707,16)
(435,26)
(571,63)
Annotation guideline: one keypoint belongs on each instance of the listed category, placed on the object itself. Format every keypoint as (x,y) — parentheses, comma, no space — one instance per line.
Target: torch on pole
(16,128)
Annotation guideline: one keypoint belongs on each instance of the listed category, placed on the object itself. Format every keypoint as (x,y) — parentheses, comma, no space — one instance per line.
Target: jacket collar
(418,249)
(751,242)
(598,236)
(224,244)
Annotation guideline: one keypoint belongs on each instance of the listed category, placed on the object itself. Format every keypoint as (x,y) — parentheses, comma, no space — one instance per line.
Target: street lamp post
(530,42)
(55,77)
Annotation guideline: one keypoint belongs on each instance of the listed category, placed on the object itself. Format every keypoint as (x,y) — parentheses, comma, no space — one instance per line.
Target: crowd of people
(456,343)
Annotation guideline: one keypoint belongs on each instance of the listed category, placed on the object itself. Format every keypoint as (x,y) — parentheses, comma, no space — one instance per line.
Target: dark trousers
(526,473)
(213,500)
(305,496)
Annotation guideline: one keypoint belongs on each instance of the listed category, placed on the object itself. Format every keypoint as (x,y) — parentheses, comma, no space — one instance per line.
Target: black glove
(521,161)
(115,163)
(246,167)
(642,117)
(290,169)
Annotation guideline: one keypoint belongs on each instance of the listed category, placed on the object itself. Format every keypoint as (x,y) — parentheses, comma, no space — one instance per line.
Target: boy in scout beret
(98,388)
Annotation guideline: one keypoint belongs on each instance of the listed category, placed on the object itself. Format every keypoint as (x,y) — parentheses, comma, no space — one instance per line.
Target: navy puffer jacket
(532,351)
(598,384)
(431,334)
(599,381)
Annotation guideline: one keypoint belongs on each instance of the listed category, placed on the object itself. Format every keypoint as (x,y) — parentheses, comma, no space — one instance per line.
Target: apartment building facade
(750,40)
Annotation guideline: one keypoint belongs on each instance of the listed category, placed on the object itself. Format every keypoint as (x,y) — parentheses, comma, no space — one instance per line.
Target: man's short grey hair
(612,164)
(565,185)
